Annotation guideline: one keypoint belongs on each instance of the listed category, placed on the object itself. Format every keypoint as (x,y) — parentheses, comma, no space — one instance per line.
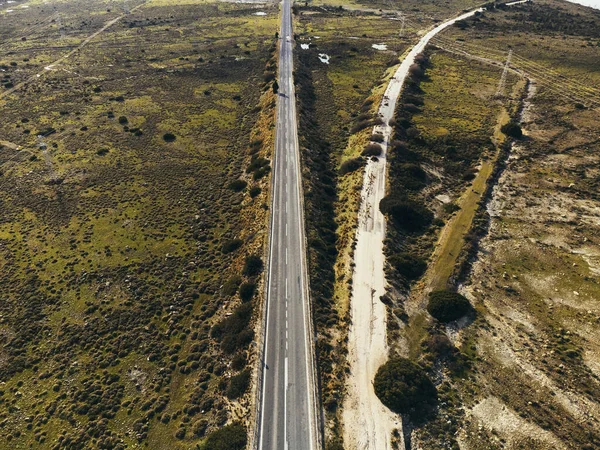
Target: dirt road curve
(367,423)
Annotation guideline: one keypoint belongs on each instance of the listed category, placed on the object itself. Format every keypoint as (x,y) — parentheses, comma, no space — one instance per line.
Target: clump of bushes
(169,137)
(237,185)
(238,385)
(372,150)
(254,191)
(232,245)
(350,165)
(512,129)
(409,266)
(247,291)
(407,214)
(233,331)
(252,266)
(229,437)
(405,388)
(447,306)
(231,286)
(377,138)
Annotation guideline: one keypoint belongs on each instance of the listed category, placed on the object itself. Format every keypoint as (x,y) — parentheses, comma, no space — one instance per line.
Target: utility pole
(500,90)
(403,19)
(60,26)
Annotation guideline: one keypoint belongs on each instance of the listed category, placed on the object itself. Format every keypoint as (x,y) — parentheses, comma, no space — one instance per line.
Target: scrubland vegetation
(132,232)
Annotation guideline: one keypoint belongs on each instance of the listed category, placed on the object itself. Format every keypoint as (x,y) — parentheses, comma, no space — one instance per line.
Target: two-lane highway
(287,416)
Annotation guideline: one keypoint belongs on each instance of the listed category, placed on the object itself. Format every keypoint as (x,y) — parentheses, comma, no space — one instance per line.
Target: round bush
(252,266)
(237,185)
(169,137)
(247,291)
(405,388)
(512,129)
(372,150)
(447,306)
(409,266)
(408,215)
(229,437)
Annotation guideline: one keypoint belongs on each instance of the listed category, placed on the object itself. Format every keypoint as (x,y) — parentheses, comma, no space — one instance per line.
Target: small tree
(512,129)
(275,87)
(447,306)
(169,137)
(405,388)
(229,437)
(252,266)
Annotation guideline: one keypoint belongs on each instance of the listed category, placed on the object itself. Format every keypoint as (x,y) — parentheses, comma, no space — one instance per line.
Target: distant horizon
(591,3)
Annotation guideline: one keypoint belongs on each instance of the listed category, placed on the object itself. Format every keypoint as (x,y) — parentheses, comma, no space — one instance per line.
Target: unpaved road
(34,77)
(367,423)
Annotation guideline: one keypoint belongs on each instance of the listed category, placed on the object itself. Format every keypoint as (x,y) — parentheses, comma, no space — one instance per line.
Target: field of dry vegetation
(132,231)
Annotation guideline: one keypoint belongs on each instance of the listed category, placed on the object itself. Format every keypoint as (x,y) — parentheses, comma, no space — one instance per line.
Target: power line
(500,90)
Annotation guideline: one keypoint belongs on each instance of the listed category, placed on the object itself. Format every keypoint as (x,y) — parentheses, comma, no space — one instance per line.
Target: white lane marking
(285,388)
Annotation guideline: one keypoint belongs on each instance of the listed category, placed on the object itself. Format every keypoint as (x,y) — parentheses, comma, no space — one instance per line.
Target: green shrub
(123,120)
(232,245)
(372,150)
(254,191)
(405,388)
(237,185)
(229,437)
(409,266)
(169,137)
(512,129)
(235,323)
(447,306)
(247,291)
(252,266)
(238,385)
(231,286)
(407,214)
(377,138)
(238,362)
(350,165)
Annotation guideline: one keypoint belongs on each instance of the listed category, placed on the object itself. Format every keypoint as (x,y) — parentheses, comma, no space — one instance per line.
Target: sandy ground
(367,423)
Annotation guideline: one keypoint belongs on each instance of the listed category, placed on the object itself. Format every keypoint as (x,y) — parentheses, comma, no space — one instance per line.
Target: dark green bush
(229,437)
(377,138)
(123,120)
(405,388)
(372,150)
(350,165)
(235,323)
(247,291)
(409,266)
(169,137)
(447,306)
(238,385)
(237,185)
(512,129)
(408,215)
(252,266)
(254,191)
(232,245)
(231,286)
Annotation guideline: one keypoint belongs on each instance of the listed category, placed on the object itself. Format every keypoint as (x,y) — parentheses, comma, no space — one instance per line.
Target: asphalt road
(287,412)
